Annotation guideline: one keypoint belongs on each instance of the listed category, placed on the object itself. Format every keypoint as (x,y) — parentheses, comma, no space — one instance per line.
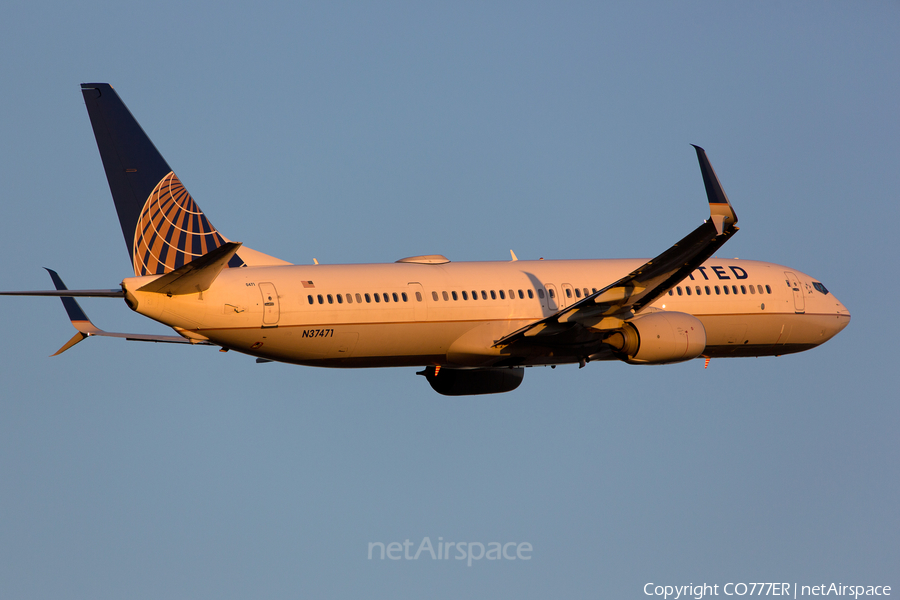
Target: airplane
(474,326)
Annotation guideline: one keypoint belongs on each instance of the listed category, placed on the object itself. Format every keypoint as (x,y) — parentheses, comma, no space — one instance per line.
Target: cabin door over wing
(566,296)
(552,299)
(794,283)
(271,311)
(417,297)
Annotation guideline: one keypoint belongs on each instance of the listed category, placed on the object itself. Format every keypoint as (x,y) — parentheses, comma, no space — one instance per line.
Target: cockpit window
(820,287)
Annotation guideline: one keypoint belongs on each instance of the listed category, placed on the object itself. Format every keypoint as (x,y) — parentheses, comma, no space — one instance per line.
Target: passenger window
(530,293)
(349,298)
(706,287)
(687,290)
(340,299)
(418,296)
(678,289)
(698,290)
(512,296)
(502,295)
(434,296)
(551,292)
(541,293)
(320,298)
(359,299)
(403,295)
(521,295)
(568,293)
(725,289)
(310,299)
(474,295)
(743,290)
(455,297)
(717,290)
(465,295)
(586,292)
(759,287)
(752,290)
(768,290)
(377,297)
(394,295)
(493,295)
(671,293)
(483,295)
(368,299)
(446,296)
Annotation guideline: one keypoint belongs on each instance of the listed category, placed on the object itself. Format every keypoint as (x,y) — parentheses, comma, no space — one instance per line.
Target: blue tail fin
(164,228)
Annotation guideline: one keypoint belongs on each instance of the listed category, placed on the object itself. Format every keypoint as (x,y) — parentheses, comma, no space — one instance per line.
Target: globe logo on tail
(172,230)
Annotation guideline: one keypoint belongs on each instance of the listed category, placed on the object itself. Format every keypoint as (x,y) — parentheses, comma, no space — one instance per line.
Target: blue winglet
(73,309)
(720,210)
(77,316)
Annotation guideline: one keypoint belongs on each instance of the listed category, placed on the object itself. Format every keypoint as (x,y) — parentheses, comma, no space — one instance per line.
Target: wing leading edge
(609,307)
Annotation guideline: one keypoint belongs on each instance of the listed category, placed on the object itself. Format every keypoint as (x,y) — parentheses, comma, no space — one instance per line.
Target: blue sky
(363,132)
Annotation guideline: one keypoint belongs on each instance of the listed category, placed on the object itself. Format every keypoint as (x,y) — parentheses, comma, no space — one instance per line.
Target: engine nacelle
(469,382)
(659,338)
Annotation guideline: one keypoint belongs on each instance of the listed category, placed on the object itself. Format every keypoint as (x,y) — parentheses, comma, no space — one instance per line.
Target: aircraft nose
(843,318)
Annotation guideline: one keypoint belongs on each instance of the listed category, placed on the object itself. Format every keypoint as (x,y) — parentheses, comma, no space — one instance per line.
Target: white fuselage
(412,314)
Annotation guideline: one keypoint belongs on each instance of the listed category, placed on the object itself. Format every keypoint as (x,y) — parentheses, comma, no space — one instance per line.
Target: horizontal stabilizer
(70,293)
(196,276)
(86,328)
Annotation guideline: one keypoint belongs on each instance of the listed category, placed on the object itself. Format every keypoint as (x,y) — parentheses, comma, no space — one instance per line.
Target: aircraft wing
(610,306)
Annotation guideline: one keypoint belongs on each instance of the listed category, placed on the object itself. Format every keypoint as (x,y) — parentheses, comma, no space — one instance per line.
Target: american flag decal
(308,284)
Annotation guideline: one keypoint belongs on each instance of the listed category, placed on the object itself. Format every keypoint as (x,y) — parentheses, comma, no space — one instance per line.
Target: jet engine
(659,338)
(466,382)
